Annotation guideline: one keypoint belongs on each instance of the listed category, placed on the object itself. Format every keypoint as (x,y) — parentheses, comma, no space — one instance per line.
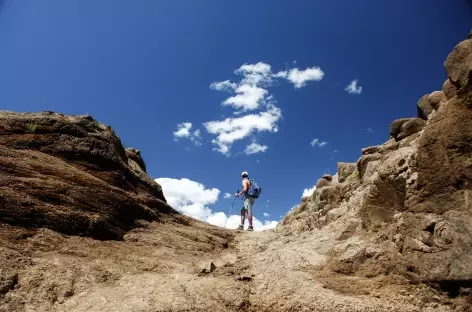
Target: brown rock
(135,155)
(329,194)
(395,127)
(370,150)
(436,98)
(459,64)
(71,174)
(364,160)
(449,89)
(424,107)
(7,281)
(345,170)
(327,177)
(322,183)
(410,127)
(208,268)
(444,152)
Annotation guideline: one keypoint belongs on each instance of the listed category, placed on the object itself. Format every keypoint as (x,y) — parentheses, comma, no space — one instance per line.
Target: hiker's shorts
(248,203)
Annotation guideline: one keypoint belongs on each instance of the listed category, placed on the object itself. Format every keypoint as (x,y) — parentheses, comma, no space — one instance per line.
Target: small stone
(208,268)
(244,278)
(7,282)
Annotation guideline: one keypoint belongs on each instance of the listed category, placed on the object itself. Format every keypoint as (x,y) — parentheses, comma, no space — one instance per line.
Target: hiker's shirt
(246,196)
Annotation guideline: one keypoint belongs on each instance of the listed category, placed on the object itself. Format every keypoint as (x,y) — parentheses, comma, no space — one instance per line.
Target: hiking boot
(250,228)
(240,227)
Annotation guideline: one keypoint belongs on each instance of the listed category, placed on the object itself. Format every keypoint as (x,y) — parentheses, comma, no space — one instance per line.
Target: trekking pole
(229,214)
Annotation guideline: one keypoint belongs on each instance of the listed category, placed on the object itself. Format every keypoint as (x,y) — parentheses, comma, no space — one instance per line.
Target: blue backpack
(254,190)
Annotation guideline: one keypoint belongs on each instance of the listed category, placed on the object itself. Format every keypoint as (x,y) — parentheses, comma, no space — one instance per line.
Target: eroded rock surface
(410,203)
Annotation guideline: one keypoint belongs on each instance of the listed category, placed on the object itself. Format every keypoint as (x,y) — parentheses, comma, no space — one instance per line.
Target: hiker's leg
(243,215)
(249,204)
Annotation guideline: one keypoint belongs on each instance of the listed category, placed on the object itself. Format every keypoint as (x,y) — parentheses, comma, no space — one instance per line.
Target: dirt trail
(155,269)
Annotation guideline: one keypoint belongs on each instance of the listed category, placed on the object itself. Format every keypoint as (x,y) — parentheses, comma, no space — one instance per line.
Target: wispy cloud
(353,88)
(370,130)
(318,143)
(184,131)
(254,148)
(266,214)
(227,196)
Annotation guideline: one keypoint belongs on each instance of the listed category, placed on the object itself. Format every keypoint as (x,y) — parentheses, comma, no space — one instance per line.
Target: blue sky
(144,67)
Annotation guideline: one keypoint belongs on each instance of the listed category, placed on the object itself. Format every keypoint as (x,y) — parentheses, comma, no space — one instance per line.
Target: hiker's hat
(244,174)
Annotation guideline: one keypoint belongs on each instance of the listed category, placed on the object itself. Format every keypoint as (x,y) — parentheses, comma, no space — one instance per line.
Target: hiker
(251,191)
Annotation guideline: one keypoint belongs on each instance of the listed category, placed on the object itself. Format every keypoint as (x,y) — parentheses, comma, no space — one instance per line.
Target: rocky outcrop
(72,174)
(408,210)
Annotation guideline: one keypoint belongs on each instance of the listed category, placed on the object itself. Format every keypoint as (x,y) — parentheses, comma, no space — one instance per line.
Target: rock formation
(72,175)
(410,199)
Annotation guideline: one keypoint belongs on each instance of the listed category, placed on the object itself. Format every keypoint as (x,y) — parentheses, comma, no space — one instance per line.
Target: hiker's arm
(245,188)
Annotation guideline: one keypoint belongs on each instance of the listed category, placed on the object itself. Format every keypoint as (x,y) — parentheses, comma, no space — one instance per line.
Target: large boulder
(436,99)
(322,183)
(430,103)
(72,174)
(396,125)
(459,64)
(410,127)
(404,127)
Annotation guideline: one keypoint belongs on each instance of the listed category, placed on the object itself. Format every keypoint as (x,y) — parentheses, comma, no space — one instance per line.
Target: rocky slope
(77,209)
(404,209)
(84,228)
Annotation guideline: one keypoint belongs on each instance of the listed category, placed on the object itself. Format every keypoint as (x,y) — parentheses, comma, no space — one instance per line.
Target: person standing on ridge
(248,202)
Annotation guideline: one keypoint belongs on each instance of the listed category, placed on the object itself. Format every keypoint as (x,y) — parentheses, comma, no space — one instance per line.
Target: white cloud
(308,191)
(233,129)
(248,97)
(370,130)
(254,148)
(255,74)
(227,196)
(317,142)
(223,86)
(281,74)
(266,214)
(184,131)
(300,77)
(249,94)
(193,199)
(353,88)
